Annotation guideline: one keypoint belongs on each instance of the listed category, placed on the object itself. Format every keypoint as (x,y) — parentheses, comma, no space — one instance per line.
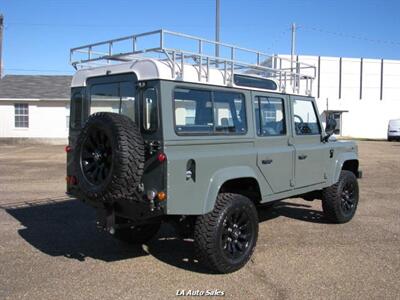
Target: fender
(338,165)
(219,178)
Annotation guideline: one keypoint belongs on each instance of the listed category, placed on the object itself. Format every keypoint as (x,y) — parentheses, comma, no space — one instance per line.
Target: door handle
(302,156)
(266,161)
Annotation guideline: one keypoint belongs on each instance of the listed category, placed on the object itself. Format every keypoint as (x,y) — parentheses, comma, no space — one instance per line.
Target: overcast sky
(38,34)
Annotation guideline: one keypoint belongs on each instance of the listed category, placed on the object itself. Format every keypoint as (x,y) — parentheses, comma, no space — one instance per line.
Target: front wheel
(226,237)
(339,201)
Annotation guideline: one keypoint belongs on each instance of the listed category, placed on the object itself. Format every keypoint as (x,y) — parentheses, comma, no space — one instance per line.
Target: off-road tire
(139,234)
(127,158)
(209,230)
(333,198)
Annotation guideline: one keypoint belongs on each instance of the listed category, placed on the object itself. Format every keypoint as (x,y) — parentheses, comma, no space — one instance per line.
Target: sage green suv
(200,145)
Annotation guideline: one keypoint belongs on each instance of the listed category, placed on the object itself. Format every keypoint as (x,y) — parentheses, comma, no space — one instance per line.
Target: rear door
(309,149)
(274,154)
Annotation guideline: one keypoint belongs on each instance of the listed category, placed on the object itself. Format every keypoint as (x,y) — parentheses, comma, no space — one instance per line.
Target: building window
(21,111)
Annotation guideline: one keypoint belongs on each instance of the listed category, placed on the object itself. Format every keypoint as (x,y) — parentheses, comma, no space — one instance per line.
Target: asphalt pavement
(50,247)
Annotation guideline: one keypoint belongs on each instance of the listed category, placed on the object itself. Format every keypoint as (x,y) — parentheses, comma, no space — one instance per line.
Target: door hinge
(292,183)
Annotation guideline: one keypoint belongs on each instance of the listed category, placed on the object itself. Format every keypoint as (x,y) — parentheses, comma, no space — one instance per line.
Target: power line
(38,70)
(351,36)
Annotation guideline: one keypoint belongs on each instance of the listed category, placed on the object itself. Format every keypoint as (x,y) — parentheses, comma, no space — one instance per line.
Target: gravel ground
(50,249)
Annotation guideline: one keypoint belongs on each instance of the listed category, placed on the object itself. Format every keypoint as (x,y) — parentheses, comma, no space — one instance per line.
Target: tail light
(71,180)
(68,148)
(161,157)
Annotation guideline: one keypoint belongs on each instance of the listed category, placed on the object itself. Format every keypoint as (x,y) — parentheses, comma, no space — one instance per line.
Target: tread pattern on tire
(128,158)
(205,234)
(331,199)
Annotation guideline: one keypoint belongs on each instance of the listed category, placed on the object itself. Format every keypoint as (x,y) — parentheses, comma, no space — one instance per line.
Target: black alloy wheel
(108,158)
(348,199)
(96,158)
(236,235)
(225,238)
(339,201)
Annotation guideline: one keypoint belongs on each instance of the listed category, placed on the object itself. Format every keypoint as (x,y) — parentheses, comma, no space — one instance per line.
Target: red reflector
(71,180)
(161,157)
(68,148)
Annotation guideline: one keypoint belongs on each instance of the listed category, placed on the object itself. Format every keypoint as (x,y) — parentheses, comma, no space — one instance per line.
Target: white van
(394,130)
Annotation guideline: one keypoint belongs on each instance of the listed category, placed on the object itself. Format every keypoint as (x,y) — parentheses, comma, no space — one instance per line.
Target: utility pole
(1,45)
(217,26)
(293,46)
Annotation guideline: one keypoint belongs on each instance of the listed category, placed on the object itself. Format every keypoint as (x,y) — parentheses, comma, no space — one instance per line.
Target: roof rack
(291,76)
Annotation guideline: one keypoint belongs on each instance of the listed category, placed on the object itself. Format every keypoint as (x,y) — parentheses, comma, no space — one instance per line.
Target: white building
(362,94)
(34,107)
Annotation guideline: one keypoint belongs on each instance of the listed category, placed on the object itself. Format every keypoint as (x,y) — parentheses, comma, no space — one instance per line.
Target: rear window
(209,112)
(116,97)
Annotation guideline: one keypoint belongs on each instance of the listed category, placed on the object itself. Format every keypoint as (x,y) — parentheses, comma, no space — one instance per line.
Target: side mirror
(329,128)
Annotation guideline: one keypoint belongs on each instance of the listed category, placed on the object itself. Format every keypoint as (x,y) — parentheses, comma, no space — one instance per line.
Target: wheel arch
(227,180)
(345,161)
(351,165)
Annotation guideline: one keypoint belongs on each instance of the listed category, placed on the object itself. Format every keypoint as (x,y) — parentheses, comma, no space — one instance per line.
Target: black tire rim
(348,198)
(237,235)
(96,156)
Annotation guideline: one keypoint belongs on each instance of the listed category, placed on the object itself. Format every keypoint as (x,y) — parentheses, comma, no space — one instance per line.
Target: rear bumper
(394,134)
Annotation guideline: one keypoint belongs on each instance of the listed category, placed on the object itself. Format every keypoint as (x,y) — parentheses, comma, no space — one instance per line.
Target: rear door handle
(266,161)
(302,156)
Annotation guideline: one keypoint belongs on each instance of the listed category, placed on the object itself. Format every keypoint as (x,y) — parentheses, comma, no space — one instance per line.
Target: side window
(193,111)
(76,110)
(270,116)
(21,115)
(150,120)
(208,112)
(305,118)
(229,113)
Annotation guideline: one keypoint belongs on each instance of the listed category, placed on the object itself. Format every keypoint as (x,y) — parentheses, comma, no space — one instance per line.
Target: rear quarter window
(209,112)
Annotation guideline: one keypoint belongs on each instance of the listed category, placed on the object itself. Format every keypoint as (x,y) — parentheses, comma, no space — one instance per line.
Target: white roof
(148,68)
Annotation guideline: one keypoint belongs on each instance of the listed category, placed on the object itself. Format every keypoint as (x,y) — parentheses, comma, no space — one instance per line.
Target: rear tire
(226,237)
(138,234)
(109,158)
(339,201)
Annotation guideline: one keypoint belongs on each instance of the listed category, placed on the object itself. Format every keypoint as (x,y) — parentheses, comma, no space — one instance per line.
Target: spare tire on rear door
(109,157)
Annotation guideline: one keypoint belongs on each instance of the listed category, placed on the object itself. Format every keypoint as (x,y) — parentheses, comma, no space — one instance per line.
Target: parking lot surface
(50,248)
